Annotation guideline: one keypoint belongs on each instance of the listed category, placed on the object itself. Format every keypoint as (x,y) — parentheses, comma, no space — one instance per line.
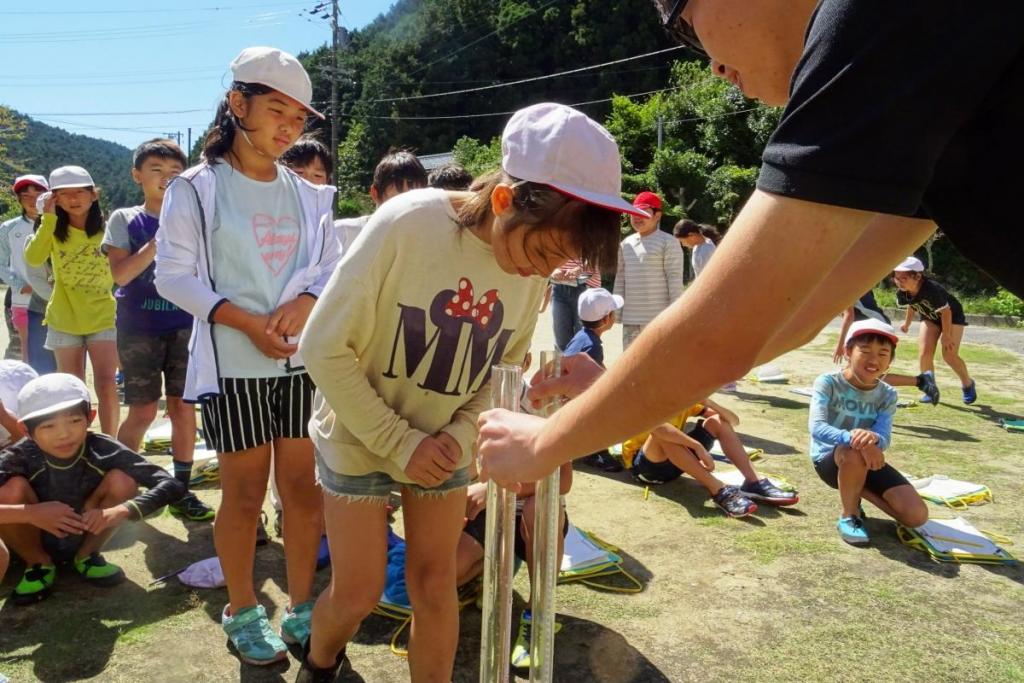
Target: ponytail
(226,125)
(711,233)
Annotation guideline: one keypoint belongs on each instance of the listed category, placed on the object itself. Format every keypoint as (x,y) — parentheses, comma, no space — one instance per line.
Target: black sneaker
(261,530)
(604,461)
(764,490)
(310,674)
(926,383)
(733,503)
(192,509)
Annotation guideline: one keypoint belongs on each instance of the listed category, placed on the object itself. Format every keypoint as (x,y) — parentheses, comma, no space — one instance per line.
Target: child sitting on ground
(597,309)
(13,376)
(851,427)
(64,490)
(665,453)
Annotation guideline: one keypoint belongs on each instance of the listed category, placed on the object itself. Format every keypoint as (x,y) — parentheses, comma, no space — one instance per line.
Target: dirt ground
(773,597)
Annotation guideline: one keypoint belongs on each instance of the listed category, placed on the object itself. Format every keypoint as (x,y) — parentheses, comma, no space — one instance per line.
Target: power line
(533,79)
(482,38)
(122,113)
(223,8)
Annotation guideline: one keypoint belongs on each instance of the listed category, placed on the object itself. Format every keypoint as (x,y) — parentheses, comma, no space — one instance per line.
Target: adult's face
(753,44)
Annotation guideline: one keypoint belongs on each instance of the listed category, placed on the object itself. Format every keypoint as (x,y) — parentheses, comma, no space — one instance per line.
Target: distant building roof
(432,161)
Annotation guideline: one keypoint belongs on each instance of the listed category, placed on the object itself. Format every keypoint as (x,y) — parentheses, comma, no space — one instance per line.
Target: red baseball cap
(23,181)
(647,200)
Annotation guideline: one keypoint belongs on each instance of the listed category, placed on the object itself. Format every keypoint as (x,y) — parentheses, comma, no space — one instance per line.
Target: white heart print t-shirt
(257,242)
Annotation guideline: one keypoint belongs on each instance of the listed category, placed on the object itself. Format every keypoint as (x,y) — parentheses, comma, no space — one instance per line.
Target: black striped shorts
(249,412)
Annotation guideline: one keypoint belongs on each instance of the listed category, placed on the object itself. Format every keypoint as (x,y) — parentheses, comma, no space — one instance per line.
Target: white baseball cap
(561,147)
(911,264)
(70,176)
(24,180)
(596,303)
(871,326)
(13,376)
(275,69)
(52,393)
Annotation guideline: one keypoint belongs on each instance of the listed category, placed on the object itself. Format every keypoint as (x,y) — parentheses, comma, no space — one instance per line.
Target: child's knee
(850,460)
(914,514)
(356,596)
(17,490)
(143,412)
(432,584)
(119,486)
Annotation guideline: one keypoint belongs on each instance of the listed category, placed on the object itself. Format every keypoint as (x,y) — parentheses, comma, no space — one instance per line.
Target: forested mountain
(33,147)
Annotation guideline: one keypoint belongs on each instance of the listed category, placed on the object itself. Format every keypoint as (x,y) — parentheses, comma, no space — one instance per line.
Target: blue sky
(127,60)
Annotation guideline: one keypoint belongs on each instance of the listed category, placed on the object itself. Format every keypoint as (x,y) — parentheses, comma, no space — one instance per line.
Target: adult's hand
(579,371)
(507,448)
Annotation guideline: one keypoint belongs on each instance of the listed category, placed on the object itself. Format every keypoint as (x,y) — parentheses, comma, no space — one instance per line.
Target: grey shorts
(376,487)
(62,340)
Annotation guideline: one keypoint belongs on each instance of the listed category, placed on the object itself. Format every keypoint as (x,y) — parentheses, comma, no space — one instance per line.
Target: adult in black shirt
(898,114)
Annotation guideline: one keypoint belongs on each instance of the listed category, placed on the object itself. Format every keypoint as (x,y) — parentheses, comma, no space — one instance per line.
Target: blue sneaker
(926,383)
(970,393)
(249,631)
(852,530)
(295,625)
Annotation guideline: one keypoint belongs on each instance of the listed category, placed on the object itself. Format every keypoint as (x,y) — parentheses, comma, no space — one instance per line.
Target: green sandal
(35,585)
(97,571)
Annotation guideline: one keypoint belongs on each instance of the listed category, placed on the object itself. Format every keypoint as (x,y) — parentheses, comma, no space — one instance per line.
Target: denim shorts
(62,340)
(376,487)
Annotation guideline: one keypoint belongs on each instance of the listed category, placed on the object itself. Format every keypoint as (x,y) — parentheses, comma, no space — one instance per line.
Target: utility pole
(334,87)
(188,152)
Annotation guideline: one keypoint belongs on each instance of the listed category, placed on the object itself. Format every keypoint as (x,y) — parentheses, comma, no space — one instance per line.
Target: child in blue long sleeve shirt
(851,427)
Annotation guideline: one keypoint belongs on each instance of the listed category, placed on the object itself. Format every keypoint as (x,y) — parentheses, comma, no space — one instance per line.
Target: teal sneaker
(249,631)
(192,509)
(97,571)
(853,531)
(296,622)
(35,585)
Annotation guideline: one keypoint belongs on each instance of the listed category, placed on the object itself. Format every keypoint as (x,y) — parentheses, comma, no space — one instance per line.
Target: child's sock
(182,471)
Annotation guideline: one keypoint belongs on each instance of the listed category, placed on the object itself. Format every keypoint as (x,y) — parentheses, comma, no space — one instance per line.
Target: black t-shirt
(929,302)
(867,308)
(72,481)
(912,108)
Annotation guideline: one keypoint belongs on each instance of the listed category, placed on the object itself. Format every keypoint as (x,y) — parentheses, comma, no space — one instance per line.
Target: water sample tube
(546,558)
(499,547)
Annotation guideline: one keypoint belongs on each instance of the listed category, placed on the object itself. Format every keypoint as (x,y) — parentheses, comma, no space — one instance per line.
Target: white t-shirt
(347,230)
(702,253)
(257,242)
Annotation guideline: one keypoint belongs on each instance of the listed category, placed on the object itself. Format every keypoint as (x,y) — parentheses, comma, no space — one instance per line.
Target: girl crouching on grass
(246,246)
(438,287)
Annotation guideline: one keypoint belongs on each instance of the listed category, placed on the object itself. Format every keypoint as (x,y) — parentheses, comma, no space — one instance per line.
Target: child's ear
(501,198)
(374,196)
(136,176)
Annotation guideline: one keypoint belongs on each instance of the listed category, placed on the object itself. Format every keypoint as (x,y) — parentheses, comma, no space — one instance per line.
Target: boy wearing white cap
(851,427)
(64,490)
(596,308)
(438,287)
(942,317)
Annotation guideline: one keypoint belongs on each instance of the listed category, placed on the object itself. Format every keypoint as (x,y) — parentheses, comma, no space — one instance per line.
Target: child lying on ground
(665,453)
(851,427)
(64,490)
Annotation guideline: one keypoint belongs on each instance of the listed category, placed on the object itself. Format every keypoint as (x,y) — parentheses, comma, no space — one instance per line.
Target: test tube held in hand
(545,550)
(499,547)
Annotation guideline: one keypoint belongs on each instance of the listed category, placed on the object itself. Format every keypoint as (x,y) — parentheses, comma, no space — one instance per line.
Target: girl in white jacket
(247,246)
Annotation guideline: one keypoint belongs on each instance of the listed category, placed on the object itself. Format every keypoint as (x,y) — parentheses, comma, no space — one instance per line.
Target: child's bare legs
(902,503)
(433,525)
(183,428)
(656,450)
(294,471)
(952,356)
(133,429)
(23,337)
(115,488)
(731,446)
(103,356)
(357,534)
(469,560)
(529,517)
(23,539)
(243,482)
(927,339)
(71,359)
(853,470)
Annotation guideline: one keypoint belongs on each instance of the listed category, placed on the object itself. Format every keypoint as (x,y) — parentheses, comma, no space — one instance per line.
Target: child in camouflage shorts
(152,333)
